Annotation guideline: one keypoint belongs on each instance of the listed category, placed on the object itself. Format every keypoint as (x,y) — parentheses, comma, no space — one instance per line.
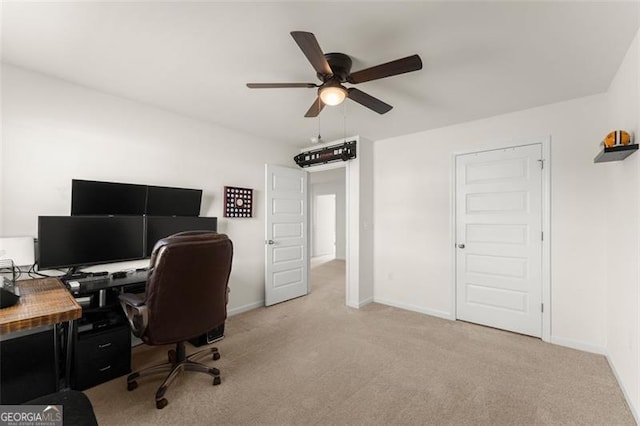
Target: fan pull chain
(319,135)
(344,121)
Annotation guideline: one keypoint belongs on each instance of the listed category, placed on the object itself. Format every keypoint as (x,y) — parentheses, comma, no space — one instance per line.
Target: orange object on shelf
(617,138)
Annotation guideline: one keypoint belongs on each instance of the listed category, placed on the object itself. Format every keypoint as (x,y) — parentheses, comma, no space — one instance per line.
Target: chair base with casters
(177,362)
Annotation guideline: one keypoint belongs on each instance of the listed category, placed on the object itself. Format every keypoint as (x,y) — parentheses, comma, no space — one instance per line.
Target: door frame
(359,229)
(545,143)
(349,266)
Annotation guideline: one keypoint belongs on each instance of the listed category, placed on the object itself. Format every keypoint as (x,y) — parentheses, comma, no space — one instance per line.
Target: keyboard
(87,283)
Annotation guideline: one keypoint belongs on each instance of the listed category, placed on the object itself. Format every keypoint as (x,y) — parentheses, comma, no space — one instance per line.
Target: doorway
(357,224)
(327,190)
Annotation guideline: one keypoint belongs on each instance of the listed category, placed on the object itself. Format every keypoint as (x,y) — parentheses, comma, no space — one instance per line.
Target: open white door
(499,238)
(286,257)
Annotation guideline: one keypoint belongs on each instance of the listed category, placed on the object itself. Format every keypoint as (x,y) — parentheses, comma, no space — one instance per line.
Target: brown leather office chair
(186,296)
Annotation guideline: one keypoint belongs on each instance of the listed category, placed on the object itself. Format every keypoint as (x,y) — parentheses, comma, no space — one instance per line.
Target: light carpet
(312,360)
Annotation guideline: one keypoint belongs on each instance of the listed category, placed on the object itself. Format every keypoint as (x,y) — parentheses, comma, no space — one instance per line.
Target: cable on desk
(32,271)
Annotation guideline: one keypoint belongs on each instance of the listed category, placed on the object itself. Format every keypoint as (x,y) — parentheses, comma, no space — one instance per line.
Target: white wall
(413,242)
(622,218)
(54,131)
(333,182)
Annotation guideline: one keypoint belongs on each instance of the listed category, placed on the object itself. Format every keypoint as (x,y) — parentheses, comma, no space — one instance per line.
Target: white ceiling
(480,58)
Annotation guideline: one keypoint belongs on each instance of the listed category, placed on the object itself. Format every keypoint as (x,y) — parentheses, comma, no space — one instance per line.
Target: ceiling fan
(334,69)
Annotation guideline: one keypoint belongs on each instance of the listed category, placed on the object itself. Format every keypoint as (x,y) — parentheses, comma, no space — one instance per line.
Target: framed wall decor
(238,202)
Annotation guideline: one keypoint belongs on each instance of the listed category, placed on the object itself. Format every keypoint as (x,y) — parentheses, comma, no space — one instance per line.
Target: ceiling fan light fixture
(333,95)
(333,69)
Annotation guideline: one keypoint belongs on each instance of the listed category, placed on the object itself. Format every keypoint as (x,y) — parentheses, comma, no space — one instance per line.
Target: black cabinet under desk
(102,336)
(101,350)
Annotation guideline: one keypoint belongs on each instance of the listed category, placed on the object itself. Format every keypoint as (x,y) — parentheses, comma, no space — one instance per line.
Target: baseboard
(365,302)
(245,308)
(414,308)
(581,346)
(634,410)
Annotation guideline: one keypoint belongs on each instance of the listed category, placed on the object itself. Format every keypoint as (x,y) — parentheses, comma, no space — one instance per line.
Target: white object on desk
(18,249)
(74,284)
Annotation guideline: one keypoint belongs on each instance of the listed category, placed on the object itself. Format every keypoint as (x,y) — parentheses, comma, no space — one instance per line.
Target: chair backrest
(186,292)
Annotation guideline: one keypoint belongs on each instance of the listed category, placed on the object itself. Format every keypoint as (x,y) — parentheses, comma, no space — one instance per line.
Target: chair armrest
(132,299)
(136,311)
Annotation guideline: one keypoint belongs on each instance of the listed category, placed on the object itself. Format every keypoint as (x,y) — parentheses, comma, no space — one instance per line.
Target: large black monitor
(107,198)
(163,201)
(73,241)
(159,227)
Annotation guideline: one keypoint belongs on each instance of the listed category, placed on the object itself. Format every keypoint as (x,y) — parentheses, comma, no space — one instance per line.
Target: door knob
(270,242)
(460,246)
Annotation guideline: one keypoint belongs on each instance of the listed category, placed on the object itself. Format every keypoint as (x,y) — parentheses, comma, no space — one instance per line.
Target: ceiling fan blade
(399,66)
(369,101)
(311,49)
(279,85)
(315,108)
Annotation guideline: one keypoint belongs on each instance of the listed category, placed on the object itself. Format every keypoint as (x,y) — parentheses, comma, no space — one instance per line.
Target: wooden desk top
(42,302)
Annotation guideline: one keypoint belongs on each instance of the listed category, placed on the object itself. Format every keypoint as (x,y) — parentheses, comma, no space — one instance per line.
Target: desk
(42,302)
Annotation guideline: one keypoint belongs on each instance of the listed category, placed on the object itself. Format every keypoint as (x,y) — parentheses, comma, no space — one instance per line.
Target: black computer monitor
(159,227)
(90,197)
(164,201)
(74,241)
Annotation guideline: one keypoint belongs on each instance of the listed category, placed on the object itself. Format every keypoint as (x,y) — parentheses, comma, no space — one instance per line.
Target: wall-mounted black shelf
(329,154)
(615,153)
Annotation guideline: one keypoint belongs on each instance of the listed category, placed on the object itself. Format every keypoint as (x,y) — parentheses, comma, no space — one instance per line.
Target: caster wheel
(161,403)
(216,356)
(132,385)
(216,381)
(172,356)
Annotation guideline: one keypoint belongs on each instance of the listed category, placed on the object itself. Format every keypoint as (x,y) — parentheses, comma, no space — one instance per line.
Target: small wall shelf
(615,153)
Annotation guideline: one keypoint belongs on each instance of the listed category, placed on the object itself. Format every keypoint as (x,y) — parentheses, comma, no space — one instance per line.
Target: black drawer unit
(99,356)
